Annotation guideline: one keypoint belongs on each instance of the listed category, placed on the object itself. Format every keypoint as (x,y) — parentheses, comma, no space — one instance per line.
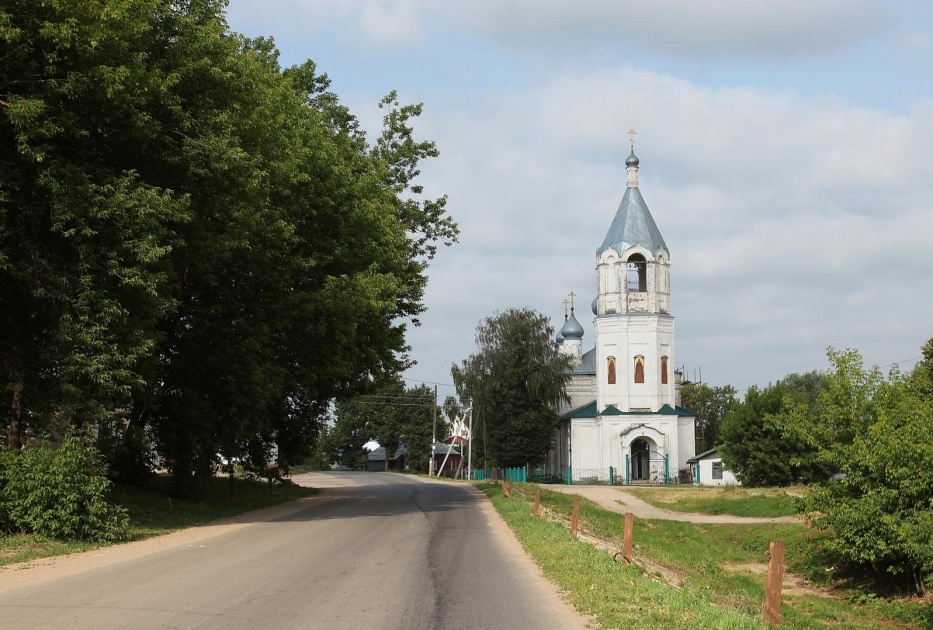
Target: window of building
(636,270)
(663,370)
(639,369)
(717,470)
(611,370)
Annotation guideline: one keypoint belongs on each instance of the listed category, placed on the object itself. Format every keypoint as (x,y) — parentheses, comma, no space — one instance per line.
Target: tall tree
(710,404)
(518,376)
(755,443)
(394,416)
(194,237)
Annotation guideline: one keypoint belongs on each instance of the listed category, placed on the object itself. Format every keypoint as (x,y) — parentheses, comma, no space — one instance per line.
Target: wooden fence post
(772,611)
(627,537)
(575,519)
(537,508)
(505,489)
(511,486)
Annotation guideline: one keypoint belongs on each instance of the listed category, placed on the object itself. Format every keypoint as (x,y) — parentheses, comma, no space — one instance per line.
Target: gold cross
(572,295)
(565,303)
(631,135)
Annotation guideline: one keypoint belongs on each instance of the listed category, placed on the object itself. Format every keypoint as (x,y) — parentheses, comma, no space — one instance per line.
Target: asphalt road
(387,551)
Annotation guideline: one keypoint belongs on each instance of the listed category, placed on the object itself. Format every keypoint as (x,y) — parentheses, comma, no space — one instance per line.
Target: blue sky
(785,156)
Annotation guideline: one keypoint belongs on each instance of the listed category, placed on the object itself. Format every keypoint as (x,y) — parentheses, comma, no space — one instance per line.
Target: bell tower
(634,325)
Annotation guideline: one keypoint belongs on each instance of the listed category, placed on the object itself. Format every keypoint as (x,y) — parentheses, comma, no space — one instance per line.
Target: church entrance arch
(646,463)
(641,460)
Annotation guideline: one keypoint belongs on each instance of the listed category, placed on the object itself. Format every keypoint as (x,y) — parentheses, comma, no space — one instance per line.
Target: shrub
(878,433)
(60,493)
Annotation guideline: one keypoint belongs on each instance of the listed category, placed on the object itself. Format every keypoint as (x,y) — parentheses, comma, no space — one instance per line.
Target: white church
(624,413)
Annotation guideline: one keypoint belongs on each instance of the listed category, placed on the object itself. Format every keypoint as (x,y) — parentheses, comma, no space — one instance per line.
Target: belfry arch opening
(636,273)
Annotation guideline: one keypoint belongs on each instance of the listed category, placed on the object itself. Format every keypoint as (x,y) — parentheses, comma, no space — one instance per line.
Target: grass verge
(734,501)
(149,513)
(723,587)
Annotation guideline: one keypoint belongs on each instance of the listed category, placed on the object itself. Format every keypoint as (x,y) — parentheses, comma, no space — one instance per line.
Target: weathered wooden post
(537,507)
(511,486)
(772,611)
(627,537)
(505,489)
(575,519)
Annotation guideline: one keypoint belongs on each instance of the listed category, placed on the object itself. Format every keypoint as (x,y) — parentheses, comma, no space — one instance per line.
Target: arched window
(639,369)
(611,370)
(663,370)
(636,270)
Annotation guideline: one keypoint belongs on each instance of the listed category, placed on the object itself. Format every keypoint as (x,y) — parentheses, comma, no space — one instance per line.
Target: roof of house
(379,454)
(710,454)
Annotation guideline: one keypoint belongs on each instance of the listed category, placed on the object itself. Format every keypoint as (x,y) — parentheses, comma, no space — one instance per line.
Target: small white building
(707,470)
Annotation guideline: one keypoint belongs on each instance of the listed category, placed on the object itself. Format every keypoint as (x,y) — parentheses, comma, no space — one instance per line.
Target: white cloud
(682,27)
(676,27)
(794,223)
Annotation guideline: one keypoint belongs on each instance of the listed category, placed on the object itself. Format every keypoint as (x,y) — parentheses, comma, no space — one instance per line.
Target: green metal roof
(586,411)
(612,410)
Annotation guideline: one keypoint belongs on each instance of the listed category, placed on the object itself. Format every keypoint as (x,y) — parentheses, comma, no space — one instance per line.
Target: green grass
(149,513)
(734,501)
(715,594)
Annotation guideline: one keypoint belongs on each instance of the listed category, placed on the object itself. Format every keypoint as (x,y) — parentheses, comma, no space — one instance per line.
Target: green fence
(507,474)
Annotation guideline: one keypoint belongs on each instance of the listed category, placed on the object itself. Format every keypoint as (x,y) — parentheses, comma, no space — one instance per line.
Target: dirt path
(618,500)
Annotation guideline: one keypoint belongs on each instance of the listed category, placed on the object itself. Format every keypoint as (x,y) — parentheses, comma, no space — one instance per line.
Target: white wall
(706,474)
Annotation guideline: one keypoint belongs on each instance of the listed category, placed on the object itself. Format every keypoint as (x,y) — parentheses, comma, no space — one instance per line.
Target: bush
(59,493)
(878,433)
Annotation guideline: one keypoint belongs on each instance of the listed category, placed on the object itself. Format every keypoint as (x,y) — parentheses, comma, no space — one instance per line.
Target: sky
(785,153)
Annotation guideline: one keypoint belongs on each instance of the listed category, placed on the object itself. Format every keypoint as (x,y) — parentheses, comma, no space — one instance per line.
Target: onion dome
(595,306)
(631,160)
(572,328)
(559,338)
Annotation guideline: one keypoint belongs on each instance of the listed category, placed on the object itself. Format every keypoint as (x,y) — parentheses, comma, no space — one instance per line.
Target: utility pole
(470,452)
(433,433)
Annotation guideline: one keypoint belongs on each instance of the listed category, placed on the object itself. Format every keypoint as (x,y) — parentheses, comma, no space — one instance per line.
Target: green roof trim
(667,410)
(612,410)
(586,411)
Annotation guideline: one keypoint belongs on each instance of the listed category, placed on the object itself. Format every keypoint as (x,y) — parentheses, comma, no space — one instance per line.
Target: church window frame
(639,374)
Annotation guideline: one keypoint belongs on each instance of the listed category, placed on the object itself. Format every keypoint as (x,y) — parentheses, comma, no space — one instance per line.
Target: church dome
(572,328)
(631,160)
(595,306)
(559,338)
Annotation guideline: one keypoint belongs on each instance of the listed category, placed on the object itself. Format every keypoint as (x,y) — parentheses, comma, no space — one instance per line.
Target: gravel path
(621,501)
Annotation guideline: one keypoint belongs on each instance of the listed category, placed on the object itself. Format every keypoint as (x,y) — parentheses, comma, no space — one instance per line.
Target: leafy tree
(710,404)
(394,416)
(451,408)
(755,444)
(194,237)
(878,433)
(518,376)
